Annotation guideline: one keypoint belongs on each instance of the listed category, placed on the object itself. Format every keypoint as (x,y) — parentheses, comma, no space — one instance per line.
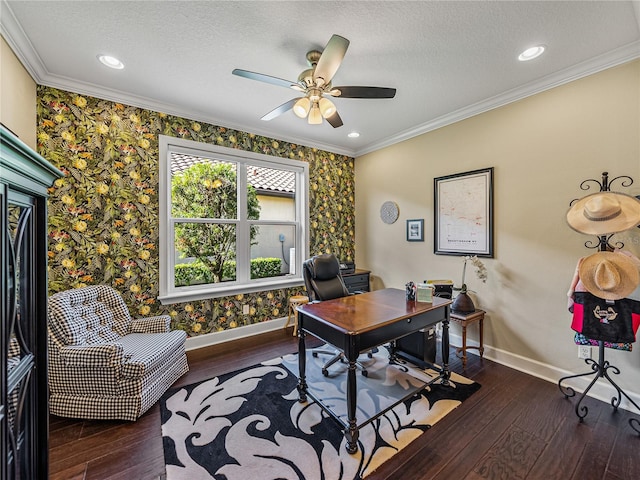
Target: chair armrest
(106,355)
(157,324)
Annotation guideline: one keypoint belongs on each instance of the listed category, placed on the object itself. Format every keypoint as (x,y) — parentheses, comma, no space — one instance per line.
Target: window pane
(224,212)
(203,188)
(275,189)
(205,253)
(272,250)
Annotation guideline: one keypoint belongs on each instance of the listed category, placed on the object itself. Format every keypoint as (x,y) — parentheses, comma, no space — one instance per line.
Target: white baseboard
(215,338)
(601,390)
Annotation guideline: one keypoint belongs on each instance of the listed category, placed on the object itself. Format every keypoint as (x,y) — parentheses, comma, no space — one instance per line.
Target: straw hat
(604,212)
(609,275)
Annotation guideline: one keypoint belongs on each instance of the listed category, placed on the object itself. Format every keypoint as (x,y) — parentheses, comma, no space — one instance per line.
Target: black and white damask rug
(248,424)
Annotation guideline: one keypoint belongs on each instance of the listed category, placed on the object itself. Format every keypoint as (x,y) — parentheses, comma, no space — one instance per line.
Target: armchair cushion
(146,353)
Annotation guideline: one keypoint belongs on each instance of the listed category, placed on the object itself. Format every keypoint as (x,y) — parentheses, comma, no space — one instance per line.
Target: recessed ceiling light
(353,135)
(111,62)
(531,53)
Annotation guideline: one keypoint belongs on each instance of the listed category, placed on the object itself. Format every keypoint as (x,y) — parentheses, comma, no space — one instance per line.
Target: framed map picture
(463,218)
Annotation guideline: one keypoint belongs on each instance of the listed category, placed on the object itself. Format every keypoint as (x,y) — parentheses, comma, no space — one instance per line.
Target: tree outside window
(208,191)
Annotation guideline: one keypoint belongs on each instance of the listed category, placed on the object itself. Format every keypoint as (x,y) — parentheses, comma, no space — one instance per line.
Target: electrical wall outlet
(245,309)
(584,351)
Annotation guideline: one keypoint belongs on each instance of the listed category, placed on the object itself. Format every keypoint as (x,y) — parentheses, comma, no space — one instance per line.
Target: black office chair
(323,282)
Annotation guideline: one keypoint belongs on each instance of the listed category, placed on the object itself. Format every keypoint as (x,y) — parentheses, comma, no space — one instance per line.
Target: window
(230,221)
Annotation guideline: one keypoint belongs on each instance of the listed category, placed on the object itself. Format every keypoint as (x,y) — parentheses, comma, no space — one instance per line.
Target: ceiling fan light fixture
(315,116)
(301,107)
(315,83)
(327,107)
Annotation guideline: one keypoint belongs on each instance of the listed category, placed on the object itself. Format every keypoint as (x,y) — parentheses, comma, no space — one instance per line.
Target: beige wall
(541,149)
(17,96)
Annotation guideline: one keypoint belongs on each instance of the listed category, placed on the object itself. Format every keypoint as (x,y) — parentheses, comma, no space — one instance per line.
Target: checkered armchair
(102,363)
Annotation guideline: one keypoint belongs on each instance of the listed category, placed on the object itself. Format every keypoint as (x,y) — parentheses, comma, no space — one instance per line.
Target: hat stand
(600,369)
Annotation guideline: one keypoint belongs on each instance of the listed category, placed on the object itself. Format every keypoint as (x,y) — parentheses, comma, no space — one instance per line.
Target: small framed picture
(415,230)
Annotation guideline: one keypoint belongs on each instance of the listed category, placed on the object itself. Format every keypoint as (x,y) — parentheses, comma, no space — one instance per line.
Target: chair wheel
(370,355)
(365,373)
(325,372)
(314,354)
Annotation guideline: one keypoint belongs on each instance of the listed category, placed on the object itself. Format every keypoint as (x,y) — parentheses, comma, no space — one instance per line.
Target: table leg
(445,349)
(352,433)
(464,344)
(481,335)
(302,367)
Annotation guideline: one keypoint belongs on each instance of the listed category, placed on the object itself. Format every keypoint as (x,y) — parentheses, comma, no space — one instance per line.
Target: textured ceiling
(448,60)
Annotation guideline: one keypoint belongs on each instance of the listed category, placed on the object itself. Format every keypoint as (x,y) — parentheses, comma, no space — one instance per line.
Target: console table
(357,323)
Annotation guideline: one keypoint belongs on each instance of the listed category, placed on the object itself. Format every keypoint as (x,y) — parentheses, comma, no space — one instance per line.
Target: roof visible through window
(264,180)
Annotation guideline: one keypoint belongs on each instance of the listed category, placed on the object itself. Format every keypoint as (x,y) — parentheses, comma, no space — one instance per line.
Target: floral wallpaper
(103,215)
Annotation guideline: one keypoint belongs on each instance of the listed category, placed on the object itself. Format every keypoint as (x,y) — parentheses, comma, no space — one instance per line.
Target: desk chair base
(339,357)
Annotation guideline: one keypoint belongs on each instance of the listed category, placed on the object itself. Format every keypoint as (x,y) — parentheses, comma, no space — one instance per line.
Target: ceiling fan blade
(261,77)
(276,112)
(331,59)
(335,120)
(364,92)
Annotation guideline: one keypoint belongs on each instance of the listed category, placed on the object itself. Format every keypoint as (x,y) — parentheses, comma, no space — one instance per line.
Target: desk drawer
(399,329)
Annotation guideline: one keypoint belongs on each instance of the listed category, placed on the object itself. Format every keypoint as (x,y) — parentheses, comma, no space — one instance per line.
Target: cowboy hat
(604,212)
(609,275)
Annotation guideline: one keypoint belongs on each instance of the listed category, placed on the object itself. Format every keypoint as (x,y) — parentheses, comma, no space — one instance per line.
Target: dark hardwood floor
(515,427)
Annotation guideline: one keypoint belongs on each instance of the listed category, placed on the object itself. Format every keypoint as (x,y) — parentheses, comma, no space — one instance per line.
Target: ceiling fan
(315,83)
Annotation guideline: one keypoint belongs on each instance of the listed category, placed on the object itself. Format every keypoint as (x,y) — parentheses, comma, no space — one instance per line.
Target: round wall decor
(389,212)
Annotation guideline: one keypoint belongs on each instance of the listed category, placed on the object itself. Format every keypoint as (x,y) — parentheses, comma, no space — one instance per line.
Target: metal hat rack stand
(600,369)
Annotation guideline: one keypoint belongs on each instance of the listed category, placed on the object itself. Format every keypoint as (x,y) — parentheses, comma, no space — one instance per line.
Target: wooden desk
(465,319)
(357,323)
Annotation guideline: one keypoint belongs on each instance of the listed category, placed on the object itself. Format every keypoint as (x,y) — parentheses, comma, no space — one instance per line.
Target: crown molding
(118,96)
(619,56)
(15,37)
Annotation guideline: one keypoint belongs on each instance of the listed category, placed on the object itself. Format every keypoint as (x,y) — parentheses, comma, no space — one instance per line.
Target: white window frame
(169,293)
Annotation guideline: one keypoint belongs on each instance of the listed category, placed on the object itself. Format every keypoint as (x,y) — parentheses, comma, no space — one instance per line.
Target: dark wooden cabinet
(24,417)
(357,281)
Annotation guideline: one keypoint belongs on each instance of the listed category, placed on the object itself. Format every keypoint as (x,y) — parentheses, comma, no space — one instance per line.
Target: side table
(294,302)
(465,319)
